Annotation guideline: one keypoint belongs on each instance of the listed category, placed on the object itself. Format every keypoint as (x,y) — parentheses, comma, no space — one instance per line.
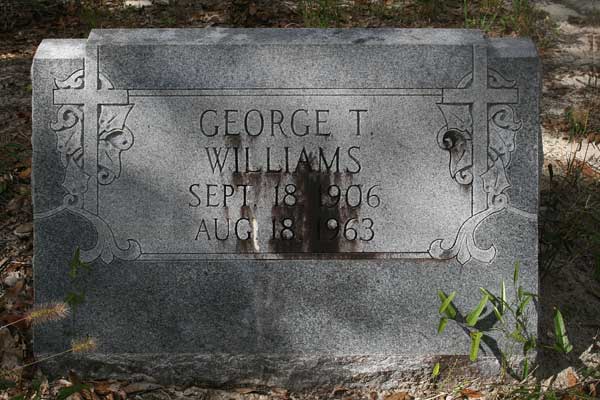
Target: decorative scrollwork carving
(503,126)
(497,81)
(455,137)
(464,247)
(69,143)
(106,247)
(113,138)
(74,81)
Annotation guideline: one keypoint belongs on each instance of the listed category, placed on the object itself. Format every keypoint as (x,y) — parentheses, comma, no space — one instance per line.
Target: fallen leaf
(399,396)
(25,174)
(338,390)
(138,387)
(105,388)
(280,393)
(565,379)
(573,396)
(24,230)
(572,379)
(245,390)
(89,395)
(471,394)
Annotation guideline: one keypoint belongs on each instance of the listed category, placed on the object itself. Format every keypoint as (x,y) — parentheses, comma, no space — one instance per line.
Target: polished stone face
(280,192)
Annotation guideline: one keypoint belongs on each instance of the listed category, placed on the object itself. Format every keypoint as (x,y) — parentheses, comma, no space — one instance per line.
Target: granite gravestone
(280,205)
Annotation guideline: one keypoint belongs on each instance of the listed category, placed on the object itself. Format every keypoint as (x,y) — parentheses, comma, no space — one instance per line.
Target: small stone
(138,3)
(12,278)
(24,230)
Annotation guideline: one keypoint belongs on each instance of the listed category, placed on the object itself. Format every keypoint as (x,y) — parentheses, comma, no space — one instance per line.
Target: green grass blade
(450,311)
(436,370)
(497,313)
(530,344)
(447,302)
(525,369)
(562,342)
(476,313)
(490,295)
(523,305)
(475,341)
(442,325)
(502,298)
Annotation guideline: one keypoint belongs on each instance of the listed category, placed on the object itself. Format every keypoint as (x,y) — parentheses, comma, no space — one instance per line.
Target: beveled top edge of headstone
(285,36)
(57,49)
(511,47)
(503,47)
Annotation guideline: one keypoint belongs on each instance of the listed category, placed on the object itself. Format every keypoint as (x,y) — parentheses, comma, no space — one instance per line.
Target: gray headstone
(280,206)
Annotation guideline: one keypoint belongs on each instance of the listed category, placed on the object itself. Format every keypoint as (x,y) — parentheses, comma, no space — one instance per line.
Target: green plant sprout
(509,318)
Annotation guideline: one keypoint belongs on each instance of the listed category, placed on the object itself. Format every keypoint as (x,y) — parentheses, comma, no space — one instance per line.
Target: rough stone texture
(457,183)
(297,372)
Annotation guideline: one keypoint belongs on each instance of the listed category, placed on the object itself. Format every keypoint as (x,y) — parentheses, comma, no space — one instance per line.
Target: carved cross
(481,97)
(91,98)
